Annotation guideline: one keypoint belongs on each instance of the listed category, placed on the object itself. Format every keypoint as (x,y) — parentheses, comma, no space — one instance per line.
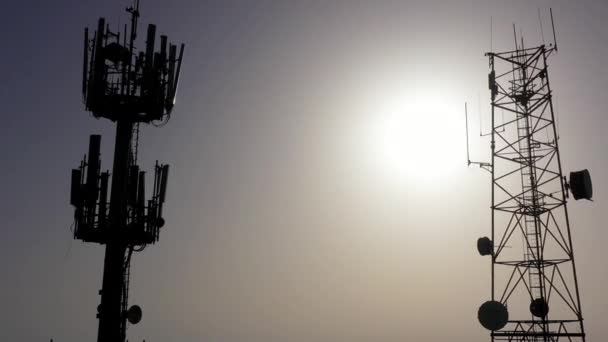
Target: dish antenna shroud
(580,185)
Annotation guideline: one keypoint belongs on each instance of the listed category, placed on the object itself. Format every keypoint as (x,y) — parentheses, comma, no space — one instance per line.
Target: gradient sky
(284,223)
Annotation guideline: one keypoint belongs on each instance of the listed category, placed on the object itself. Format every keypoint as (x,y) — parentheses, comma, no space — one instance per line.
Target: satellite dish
(539,307)
(493,315)
(580,185)
(134,314)
(485,246)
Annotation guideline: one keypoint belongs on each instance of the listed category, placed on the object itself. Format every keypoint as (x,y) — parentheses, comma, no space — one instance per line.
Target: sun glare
(416,139)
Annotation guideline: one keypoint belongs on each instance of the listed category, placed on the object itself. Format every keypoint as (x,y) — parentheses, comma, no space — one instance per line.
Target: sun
(416,138)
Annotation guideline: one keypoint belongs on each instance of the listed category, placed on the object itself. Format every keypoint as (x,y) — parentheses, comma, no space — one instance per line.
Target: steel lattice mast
(535,293)
(128,87)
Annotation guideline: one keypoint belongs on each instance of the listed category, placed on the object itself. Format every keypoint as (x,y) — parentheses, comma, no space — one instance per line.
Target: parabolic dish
(134,314)
(493,315)
(539,307)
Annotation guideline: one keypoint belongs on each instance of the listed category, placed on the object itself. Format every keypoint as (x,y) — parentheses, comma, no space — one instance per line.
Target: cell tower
(534,290)
(128,87)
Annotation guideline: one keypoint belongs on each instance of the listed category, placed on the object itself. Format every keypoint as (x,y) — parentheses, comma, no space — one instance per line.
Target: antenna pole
(515,37)
(466,121)
(540,22)
(553,26)
(491,34)
(482,165)
(111,324)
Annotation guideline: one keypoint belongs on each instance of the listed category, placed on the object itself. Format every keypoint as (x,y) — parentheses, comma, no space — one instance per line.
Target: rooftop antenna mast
(534,286)
(127,86)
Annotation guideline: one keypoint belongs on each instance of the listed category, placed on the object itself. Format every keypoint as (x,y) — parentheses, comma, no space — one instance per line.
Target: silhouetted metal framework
(533,268)
(127,86)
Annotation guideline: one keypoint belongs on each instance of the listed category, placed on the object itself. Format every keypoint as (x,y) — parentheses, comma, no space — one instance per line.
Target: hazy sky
(318,187)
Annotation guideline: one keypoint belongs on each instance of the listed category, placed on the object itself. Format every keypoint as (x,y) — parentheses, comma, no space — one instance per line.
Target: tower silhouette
(128,87)
(534,290)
